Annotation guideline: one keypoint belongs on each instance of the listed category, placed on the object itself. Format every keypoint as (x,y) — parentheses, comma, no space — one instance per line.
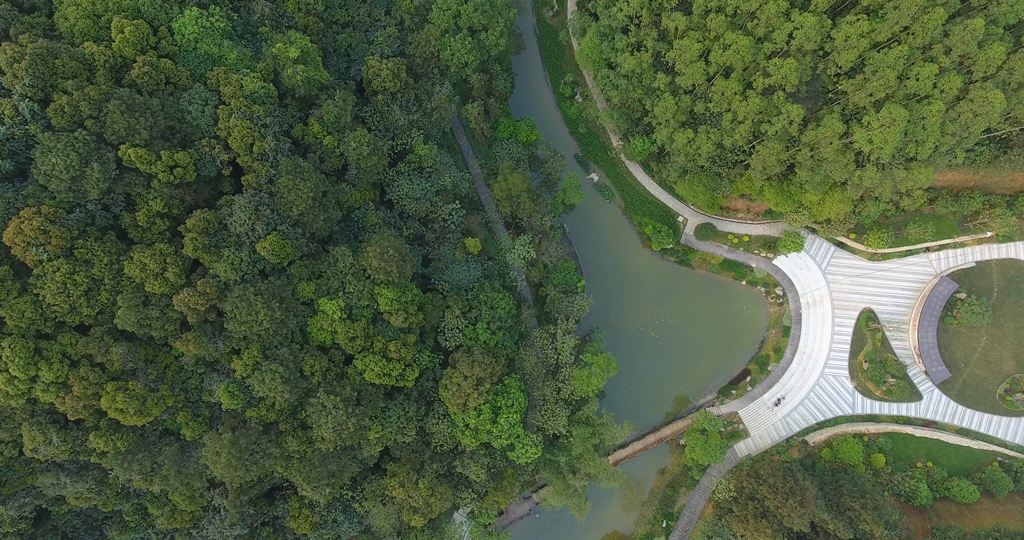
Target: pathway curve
(834,287)
(693,216)
(923,245)
(929,433)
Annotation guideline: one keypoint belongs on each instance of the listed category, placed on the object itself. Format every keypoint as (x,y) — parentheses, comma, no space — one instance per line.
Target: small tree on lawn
(961,490)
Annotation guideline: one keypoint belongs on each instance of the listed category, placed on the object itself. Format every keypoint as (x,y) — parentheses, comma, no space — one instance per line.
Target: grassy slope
(958,460)
(980,359)
(987,513)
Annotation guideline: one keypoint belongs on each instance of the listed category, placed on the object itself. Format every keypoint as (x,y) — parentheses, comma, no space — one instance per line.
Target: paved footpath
(824,434)
(693,216)
(833,287)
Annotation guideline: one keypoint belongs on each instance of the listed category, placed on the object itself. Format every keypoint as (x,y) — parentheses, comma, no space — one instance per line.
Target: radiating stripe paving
(834,287)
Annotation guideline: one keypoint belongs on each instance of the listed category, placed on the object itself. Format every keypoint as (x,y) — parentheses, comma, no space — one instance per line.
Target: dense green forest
(829,111)
(247,289)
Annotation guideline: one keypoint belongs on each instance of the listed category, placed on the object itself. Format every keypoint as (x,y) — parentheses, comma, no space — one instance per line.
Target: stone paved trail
(700,495)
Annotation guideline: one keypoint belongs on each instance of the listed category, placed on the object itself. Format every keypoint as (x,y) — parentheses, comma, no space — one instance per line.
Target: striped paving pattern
(835,286)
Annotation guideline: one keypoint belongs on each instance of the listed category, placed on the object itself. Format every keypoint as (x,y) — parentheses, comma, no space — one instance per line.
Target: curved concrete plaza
(834,287)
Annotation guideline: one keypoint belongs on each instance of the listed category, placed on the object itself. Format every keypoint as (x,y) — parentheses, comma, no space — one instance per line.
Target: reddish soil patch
(1001,181)
(984,514)
(740,207)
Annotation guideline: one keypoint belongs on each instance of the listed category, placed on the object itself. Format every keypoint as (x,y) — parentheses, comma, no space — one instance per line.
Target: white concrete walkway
(834,287)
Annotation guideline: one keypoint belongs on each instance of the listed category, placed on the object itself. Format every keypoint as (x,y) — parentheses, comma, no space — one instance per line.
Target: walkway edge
(693,216)
(924,245)
(824,434)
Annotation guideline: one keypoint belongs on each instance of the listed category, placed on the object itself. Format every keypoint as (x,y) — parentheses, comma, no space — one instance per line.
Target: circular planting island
(981,338)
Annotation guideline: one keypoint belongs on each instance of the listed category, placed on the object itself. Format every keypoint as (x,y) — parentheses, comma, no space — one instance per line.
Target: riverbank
(668,352)
(642,209)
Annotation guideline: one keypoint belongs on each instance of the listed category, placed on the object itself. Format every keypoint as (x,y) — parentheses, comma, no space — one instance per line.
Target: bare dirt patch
(744,208)
(991,180)
(986,513)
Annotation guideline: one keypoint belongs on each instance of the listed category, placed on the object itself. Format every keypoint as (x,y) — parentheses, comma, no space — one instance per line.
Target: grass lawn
(987,513)
(747,243)
(982,358)
(941,226)
(874,368)
(958,460)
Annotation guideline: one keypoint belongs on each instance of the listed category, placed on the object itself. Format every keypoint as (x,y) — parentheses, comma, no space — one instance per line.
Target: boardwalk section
(700,495)
(483,191)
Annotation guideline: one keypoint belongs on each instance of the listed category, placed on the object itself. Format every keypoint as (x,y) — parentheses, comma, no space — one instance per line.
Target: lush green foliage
(874,368)
(791,242)
(706,442)
(970,310)
(244,288)
(826,111)
(842,490)
(581,117)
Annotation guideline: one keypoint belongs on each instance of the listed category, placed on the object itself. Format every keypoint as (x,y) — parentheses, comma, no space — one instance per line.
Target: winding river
(675,332)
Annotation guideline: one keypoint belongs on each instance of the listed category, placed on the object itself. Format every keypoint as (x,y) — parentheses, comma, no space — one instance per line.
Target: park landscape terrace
(831,287)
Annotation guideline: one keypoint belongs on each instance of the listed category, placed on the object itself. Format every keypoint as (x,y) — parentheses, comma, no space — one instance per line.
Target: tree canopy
(245,287)
(827,111)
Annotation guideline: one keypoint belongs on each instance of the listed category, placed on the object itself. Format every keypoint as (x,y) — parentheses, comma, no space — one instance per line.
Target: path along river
(675,332)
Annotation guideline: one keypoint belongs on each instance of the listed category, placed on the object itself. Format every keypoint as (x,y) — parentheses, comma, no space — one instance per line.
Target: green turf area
(983,358)
(914,228)
(747,243)
(874,368)
(958,460)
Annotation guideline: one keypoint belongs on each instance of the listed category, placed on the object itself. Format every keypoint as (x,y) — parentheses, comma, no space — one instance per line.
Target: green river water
(674,331)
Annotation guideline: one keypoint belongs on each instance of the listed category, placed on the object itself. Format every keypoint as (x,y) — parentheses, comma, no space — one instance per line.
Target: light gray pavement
(824,434)
(923,245)
(834,286)
(693,216)
(928,328)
